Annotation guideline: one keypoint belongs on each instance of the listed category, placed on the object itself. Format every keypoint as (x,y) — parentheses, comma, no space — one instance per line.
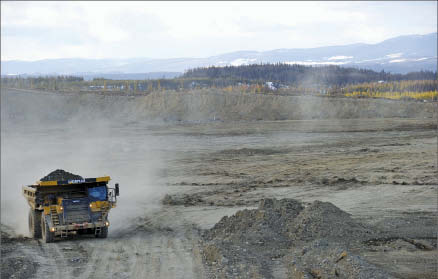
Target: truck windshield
(97,193)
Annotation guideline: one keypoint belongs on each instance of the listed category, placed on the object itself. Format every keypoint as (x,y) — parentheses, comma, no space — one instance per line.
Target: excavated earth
(316,240)
(60,175)
(311,198)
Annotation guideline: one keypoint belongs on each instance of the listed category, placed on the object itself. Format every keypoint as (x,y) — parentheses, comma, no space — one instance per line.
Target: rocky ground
(382,172)
(317,240)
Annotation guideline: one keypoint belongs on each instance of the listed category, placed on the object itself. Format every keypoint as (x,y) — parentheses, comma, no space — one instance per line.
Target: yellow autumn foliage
(425,95)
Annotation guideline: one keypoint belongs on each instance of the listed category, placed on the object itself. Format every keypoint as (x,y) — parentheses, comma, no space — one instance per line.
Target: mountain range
(397,55)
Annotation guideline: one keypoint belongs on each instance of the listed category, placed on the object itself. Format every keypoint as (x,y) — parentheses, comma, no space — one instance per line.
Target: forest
(300,75)
(283,79)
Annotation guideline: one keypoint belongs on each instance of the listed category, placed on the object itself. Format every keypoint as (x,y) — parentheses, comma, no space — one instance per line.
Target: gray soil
(285,238)
(331,197)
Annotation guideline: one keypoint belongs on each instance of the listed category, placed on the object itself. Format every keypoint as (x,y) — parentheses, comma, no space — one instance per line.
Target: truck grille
(76,210)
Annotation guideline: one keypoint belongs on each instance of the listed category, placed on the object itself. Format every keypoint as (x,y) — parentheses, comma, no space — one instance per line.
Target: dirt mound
(288,219)
(251,241)
(60,175)
(269,221)
(325,220)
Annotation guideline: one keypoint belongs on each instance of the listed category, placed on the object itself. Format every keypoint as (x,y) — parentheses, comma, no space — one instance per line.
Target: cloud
(37,30)
(52,35)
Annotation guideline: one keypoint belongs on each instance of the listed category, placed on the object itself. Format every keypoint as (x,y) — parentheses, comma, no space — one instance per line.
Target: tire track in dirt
(59,260)
(162,244)
(154,248)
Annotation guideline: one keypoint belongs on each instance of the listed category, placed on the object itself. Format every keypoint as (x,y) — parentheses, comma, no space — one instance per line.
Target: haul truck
(59,208)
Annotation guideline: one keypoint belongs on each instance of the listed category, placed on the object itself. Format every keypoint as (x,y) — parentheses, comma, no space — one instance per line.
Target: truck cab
(59,208)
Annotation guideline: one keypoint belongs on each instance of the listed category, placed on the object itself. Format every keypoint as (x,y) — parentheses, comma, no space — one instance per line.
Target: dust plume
(44,132)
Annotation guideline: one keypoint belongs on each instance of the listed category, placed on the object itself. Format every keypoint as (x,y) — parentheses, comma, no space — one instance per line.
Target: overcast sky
(39,30)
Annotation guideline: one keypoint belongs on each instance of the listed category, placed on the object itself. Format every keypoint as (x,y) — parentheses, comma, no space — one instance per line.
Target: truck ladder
(55,220)
(98,230)
(54,216)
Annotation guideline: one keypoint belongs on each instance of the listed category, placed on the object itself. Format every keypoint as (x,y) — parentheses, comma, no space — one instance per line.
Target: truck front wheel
(48,236)
(35,223)
(103,232)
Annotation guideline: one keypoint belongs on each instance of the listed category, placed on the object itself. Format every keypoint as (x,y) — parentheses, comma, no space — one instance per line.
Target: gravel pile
(289,221)
(252,242)
(60,175)
(325,220)
(270,221)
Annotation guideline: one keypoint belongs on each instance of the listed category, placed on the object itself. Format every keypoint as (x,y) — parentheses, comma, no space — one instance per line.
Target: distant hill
(113,76)
(131,76)
(398,55)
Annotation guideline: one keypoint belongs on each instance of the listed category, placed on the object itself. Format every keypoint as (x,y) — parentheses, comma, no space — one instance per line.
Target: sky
(46,30)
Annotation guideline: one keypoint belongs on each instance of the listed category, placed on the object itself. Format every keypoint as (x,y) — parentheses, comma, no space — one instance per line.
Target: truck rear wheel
(35,223)
(48,236)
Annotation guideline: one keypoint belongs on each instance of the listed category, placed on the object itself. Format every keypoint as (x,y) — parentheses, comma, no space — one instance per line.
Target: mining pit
(302,197)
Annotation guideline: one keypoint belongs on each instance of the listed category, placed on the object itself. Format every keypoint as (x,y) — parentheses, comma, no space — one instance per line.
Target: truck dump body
(64,207)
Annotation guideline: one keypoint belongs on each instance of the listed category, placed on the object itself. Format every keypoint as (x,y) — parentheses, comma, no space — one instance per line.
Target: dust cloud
(44,132)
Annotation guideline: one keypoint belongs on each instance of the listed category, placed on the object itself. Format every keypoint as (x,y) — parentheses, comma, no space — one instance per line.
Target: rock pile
(289,220)
(60,175)
(249,243)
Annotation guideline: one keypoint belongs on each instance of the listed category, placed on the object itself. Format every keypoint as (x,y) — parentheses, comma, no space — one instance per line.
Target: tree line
(301,75)
(258,78)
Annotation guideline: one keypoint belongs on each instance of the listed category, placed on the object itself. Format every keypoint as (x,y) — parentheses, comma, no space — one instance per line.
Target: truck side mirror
(117,189)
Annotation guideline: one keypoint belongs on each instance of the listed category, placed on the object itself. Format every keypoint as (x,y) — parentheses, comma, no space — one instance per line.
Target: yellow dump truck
(64,204)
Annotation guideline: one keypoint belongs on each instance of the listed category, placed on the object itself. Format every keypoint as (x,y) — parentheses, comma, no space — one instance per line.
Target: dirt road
(152,249)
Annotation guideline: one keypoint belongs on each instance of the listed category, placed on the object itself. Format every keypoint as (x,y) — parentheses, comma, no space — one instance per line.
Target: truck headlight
(61,208)
(107,223)
(91,205)
(52,229)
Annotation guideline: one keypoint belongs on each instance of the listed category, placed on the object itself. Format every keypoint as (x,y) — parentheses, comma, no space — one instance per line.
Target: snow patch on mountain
(315,63)
(397,60)
(340,57)
(242,61)
(395,55)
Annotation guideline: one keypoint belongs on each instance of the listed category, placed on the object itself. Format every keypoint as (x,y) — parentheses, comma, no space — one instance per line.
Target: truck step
(54,216)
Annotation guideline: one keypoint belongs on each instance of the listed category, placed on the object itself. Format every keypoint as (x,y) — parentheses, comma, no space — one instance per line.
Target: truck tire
(103,232)
(35,223)
(48,236)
